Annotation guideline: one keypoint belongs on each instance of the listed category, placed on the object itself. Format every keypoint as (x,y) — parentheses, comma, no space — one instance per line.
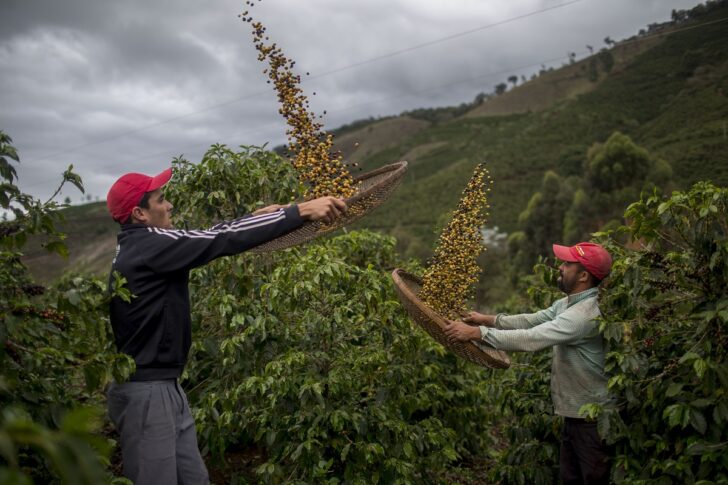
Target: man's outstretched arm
(170,250)
(324,208)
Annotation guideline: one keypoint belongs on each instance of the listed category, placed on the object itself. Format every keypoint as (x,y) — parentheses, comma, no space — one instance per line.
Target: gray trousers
(157,433)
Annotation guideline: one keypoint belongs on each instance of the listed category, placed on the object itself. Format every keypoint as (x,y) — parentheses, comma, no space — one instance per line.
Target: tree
(616,164)
(607,59)
(500,88)
(542,221)
(480,98)
(615,173)
(592,70)
(578,221)
(513,80)
(678,16)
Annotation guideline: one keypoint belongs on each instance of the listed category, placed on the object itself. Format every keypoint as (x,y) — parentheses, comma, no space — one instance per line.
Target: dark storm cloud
(115,86)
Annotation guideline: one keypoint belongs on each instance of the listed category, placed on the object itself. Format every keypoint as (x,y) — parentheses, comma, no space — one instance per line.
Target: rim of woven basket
(467,350)
(392,176)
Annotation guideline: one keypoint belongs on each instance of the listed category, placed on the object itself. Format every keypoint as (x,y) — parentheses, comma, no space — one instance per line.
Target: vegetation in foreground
(305,369)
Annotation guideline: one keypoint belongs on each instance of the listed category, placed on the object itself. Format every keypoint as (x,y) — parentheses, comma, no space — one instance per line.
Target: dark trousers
(584,456)
(156,433)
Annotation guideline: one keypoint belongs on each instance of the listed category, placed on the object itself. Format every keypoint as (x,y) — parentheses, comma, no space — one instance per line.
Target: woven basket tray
(373,189)
(408,287)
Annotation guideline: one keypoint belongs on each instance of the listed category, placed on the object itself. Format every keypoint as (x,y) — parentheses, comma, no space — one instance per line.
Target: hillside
(668,91)
(566,83)
(91,240)
(382,135)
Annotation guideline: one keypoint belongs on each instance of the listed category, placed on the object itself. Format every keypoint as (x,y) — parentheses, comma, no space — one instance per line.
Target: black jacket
(155,327)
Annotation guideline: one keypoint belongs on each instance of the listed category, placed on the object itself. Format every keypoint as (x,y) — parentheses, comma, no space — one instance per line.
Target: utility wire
(338,110)
(323,74)
(421,91)
(443,39)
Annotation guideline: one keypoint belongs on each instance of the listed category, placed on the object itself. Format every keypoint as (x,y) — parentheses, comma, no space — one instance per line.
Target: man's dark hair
(143,203)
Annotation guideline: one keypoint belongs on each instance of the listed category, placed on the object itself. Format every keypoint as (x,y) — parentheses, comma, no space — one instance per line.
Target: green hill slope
(670,95)
(91,240)
(565,83)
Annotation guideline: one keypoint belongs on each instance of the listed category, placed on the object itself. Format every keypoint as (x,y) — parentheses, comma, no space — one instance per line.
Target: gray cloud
(121,86)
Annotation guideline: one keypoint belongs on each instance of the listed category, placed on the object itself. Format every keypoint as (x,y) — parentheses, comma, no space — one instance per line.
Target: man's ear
(584,276)
(138,215)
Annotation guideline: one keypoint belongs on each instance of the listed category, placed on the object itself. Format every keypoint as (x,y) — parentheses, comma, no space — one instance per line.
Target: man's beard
(564,285)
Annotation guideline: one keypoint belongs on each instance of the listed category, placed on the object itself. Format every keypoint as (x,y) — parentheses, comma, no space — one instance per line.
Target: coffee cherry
(322,172)
(453,270)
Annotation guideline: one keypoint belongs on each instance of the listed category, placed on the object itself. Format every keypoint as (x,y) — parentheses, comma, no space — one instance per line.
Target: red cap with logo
(593,257)
(127,192)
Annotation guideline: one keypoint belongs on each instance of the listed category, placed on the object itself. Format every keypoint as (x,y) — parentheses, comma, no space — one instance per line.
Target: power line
(323,74)
(428,89)
(444,39)
(365,103)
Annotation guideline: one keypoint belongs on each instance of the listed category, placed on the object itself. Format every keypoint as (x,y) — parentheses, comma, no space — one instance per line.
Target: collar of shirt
(583,295)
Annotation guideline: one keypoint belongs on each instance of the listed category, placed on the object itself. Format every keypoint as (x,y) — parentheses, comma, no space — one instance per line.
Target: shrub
(306,358)
(666,318)
(56,352)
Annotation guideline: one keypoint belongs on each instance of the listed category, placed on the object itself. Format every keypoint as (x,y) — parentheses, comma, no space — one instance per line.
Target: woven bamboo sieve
(408,287)
(373,188)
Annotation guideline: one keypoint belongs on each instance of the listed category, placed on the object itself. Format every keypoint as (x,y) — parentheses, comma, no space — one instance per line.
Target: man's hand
(475,318)
(269,209)
(458,331)
(326,209)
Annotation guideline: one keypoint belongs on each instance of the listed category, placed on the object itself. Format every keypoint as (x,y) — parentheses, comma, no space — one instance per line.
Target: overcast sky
(126,85)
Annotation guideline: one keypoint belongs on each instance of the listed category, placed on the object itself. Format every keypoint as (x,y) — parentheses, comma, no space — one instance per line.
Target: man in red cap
(577,372)
(151,412)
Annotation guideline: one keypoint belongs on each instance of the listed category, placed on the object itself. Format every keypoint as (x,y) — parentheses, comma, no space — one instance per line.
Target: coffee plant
(305,369)
(56,351)
(304,357)
(666,318)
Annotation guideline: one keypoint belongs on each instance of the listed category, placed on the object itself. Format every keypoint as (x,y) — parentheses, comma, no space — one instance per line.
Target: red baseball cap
(593,257)
(127,192)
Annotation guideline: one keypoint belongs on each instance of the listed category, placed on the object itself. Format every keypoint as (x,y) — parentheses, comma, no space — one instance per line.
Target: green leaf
(73,297)
(58,247)
(688,356)
(696,448)
(700,366)
(270,437)
(674,389)
(697,420)
(70,176)
(94,374)
(674,414)
(345,452)
(720,412)
(82,420)
(408,451)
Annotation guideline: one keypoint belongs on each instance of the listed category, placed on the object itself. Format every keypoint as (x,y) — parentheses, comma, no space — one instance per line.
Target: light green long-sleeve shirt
(570,327)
